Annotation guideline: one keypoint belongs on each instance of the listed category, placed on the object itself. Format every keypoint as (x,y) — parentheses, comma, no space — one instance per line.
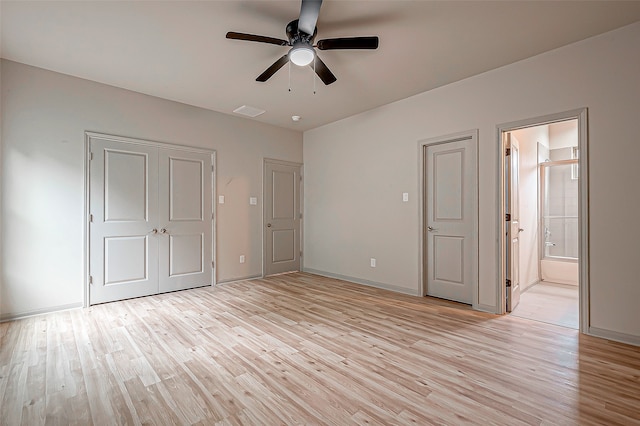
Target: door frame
(422,209)
(88,135)
(583,206)
(300,167)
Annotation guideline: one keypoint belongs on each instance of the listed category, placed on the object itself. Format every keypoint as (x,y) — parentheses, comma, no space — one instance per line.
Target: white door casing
(281,217)
(512,208)
(150,216)
(581,115)
(451,219)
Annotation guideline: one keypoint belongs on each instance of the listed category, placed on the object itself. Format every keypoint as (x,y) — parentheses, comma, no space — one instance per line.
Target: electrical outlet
(220,199)
(253,201)
(242,258)
(405,197)
(373,262)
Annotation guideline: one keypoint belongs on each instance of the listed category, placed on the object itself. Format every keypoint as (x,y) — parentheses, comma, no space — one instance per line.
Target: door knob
(431,229)
(153,231)
(268,225)
(520,229)
(163,231)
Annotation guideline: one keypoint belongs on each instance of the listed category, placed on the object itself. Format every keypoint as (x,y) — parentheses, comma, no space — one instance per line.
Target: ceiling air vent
(249,111)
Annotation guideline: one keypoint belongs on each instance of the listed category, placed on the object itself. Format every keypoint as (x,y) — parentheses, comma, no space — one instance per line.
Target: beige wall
(45,115)
(357,168)
(563,134)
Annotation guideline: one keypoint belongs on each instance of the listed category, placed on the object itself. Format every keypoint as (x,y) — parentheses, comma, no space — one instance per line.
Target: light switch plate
(220,199)
(405,197)
(253,200)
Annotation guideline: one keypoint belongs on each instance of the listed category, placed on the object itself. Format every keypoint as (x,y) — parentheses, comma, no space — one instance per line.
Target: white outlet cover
(253,200)
(242,258)
(373,262)
(405,196)
(220,199)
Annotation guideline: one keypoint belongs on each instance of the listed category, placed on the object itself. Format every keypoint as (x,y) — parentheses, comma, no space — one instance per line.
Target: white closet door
(123,258)
(185,220)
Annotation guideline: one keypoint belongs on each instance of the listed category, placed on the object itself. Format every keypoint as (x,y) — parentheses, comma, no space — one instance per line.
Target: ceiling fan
(301,34)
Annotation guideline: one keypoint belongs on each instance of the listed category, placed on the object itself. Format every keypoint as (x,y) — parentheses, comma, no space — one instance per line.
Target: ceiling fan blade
(309,12)
(348,43)
(273,68)
(258,38)
(323,71)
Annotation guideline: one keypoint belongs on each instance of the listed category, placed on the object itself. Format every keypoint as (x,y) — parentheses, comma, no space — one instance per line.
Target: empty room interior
(319,212)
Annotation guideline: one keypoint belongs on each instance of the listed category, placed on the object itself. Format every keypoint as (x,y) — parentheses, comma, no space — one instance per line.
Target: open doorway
(543,250)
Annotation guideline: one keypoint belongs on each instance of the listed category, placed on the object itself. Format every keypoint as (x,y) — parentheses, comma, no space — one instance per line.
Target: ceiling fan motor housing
(296,36)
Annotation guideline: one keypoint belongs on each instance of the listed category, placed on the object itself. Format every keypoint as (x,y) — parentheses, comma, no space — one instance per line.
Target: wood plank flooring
(303,349)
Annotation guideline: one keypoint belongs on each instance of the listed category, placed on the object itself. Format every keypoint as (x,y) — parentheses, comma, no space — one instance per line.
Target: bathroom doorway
(542,243)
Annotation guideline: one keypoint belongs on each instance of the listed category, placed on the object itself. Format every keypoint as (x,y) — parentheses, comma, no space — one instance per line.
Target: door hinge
(300,253)
(507,217)
(90,279)
(213,168)
(213,264)
(90,156)
(507,151)
(508,283)
(91,218)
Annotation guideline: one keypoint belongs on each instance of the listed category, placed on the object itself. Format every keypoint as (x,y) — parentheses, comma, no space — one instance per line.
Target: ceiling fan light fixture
(301,55)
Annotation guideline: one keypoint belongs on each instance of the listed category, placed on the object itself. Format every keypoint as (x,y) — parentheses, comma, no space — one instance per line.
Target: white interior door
(184,220)
(451,219)
(150,225)
(123,243)
(281,217)
(512,209)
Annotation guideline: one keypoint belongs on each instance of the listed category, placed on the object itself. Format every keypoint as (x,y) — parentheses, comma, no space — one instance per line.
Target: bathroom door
(281,217)
(512,209)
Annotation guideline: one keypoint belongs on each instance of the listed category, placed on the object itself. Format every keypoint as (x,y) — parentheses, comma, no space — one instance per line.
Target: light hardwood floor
(303,349)
(551,303)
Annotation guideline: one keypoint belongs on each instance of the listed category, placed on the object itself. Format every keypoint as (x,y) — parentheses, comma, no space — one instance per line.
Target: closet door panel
(185,220)
(123,200)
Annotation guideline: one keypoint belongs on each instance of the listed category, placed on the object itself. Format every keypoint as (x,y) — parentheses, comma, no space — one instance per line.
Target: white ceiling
(177,49)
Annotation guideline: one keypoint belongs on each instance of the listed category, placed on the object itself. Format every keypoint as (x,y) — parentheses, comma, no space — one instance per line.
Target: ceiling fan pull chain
(289,75)
(314,75)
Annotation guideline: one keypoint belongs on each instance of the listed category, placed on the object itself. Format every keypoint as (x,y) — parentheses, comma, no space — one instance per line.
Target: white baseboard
(363,282)
(485,308)
(44,311)
(235,280)
(614,335)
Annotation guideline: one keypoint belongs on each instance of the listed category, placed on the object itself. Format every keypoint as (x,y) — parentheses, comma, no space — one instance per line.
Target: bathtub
(559,271)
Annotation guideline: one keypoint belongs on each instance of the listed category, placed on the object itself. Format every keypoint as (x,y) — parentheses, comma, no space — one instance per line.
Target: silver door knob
(163,231)
(431,229)
(268,225)
(153,231)
(520,229)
